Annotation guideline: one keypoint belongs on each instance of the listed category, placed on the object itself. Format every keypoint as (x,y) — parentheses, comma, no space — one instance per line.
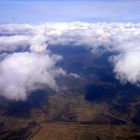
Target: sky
(40,11)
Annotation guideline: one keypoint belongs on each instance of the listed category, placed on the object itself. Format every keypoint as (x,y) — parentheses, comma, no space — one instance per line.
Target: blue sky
(40,11)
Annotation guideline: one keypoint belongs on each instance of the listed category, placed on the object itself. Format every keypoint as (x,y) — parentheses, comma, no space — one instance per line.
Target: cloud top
(23,72)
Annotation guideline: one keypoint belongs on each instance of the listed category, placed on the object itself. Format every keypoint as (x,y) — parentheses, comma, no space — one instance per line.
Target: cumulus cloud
(23,72)
(25,62)
(127,67)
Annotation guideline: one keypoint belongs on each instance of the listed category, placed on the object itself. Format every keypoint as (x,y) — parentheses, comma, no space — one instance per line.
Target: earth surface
(92,105)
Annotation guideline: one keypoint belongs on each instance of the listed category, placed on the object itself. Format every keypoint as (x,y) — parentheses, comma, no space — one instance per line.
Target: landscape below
(94,106)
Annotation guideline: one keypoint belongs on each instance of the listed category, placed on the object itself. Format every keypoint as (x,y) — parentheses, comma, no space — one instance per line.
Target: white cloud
(127,67)
(34,40)
(74,75)
(12,43)
(23,72)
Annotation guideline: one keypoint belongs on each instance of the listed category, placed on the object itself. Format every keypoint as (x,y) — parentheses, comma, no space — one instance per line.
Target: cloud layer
(26,63)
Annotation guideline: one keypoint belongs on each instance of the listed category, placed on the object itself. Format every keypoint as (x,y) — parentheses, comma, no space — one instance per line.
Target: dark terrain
(95,106)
